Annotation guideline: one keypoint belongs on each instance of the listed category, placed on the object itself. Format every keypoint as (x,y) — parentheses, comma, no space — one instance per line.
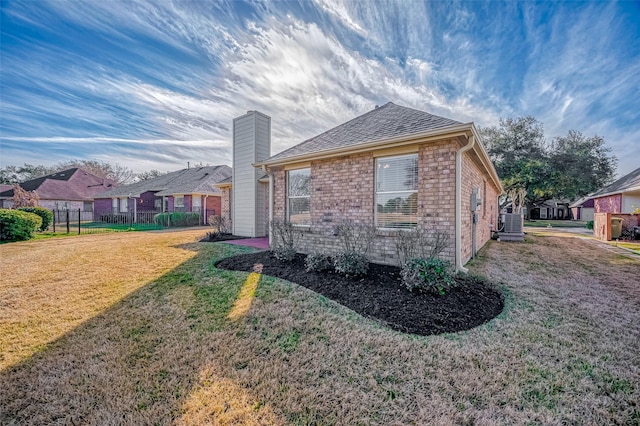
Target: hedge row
(16,225)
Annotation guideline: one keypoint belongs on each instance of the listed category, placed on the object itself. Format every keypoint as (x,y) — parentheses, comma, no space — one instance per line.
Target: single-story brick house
(621,199)
(186,190)
(393,167)
(582,209)
(71,189)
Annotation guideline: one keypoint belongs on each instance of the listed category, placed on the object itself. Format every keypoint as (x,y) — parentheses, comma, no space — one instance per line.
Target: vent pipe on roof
(188,165)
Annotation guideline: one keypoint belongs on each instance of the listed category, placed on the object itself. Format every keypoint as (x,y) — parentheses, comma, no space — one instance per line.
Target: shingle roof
(624,184)
(70,184)
(197,180)
(387,121)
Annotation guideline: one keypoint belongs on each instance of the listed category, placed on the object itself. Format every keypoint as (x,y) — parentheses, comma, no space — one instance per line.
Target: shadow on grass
(141,360)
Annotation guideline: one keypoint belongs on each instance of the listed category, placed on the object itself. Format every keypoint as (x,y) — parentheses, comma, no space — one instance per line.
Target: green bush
(177,219)
(427,275)
(589,225)
(16,225)
(45,214)
(351,263)
(318,262)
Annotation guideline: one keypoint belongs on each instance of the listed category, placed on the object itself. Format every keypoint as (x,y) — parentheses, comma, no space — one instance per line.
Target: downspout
(459,266)
(206,218)
(264,169)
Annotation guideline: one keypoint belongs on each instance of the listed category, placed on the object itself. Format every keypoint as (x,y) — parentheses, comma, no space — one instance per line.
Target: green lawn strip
(555,223)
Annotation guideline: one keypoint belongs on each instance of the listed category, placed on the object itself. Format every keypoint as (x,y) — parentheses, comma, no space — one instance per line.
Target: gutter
(461,151)
(264,169)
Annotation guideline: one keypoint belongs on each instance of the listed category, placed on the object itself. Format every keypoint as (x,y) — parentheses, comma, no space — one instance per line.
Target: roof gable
(70,184)
(627,182)
(385,122)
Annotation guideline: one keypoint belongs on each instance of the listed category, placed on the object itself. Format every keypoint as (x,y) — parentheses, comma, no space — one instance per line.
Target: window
(157,204)
(87,206)
(397,191)
(178,201)
(123,205)
(299,196)
(114,205)
(196,203)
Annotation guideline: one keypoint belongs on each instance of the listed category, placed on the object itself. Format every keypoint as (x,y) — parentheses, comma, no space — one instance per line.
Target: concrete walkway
(259,243)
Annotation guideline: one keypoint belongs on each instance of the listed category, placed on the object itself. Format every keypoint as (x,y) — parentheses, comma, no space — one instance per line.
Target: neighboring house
(582,209)
(551,209)
(617,208)
(393,168)
(71,189)
(186,190)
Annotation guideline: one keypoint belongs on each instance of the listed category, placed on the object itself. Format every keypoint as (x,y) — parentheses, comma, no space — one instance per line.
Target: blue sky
(152,85)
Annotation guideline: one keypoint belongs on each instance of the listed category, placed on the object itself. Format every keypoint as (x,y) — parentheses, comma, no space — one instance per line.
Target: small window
(114,205)
(299,196)
(87,206)
(196,203)
(123,205)
(397,192)
(157,204)
(178,201)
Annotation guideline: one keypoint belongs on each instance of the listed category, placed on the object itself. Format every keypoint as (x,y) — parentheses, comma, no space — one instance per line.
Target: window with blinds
(299,196)
(397,191)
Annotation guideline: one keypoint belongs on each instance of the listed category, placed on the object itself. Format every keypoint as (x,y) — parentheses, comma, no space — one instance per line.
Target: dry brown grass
(49,287)
(565,351)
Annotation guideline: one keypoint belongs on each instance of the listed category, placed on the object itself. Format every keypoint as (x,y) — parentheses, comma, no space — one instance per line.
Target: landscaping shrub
(45,214)
(16,225)
(589,225)
(118,219)
(427,275)
(220,225)
(355,237)
(420,244)
(351,263)
(285,240)
(318,262)
(177,219)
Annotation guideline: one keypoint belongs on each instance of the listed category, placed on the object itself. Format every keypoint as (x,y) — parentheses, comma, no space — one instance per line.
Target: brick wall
(343,189)
(609,204)
(226,204)
(473,177)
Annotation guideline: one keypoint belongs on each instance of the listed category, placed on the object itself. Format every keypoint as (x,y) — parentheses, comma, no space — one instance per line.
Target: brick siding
(343,188)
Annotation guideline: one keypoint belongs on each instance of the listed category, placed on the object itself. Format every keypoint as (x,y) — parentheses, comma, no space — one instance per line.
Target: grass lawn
(555,223)
(141,328)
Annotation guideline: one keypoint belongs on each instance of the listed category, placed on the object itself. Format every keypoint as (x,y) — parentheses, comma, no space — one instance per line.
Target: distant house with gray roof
(622,196)
(393,168)
(71,189)
(186,190)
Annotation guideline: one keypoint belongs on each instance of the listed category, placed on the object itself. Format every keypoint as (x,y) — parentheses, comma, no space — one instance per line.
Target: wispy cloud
(155,84)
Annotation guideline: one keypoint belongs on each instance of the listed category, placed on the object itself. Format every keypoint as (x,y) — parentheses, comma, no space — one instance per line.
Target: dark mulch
(381,296)
(221,237)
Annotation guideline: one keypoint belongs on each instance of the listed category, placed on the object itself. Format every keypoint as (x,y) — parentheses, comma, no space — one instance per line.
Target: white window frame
(288,197)
(196,203)
(175,201)
(376,192)
(124,205)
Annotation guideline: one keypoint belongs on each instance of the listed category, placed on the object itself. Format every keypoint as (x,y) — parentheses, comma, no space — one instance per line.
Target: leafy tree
(18,174)
(23,198)
(580,165)
(570,167)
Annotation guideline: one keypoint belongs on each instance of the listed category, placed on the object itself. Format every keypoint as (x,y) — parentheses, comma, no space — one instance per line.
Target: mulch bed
(381,296)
